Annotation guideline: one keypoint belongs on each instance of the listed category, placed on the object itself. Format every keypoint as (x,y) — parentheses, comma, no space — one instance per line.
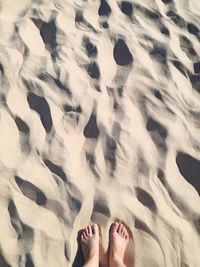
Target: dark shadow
(24,137)
(56,169)
(120,91)
(29,262)
(62,86)
(185,42)
(40,105)
(197,67)
(187,46)
(161,176)
(152,15)
(25,233)
(126,8)
(93,70)
(90,47)
(91,160)
(143,166)
(195,81)
(31,191)
(146,199)
(179,66)
(2,98)
(81,23)
(78,109)
(197,224)
(158,133)
(101,206)
(179,21)
(153,125)
(46,77)
(105,25)
(3,262)
(189,167)
(14,218)
(79,16)
(21,125)
(68,108)
(164,30)
(193,29)
(74,203)
(111,148)
(101,211)
(122,54)
(142,226)
(167,1)
(57,208)
(104,9)
(91,130)
(158,95)
(78,260)
(1,69)
(38,22)
(48,34)
(159,54)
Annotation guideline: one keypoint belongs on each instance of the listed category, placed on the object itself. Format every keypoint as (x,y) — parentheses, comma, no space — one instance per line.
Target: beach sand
(99,120)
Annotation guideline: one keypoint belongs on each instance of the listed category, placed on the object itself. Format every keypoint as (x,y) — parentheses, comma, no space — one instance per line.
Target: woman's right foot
(90,245)
(119,239)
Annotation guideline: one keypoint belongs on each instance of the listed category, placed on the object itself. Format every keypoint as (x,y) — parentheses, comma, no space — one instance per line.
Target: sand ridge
(99,119)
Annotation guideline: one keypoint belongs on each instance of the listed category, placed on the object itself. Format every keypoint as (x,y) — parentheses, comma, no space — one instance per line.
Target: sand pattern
(99,119)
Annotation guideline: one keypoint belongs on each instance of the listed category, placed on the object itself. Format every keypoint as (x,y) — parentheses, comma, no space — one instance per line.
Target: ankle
(116,261)
(93,257)
(93,253)
(92,262)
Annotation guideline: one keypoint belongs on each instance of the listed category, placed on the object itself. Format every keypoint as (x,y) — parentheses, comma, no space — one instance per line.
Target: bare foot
(90,245)
(119,238)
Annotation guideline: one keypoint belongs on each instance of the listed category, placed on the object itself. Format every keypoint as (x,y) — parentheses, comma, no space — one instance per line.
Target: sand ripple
(99,119)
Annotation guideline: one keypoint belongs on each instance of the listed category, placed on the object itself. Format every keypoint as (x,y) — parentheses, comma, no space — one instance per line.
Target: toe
(114,227)
(127,236)
(84,232)
(123,231)
(126,233)
(99,230)
(95,229)
(87,231)
(119,230)
(82,237)
(90,229)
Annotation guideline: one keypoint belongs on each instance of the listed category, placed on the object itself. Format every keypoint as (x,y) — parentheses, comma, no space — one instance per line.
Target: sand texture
(99,120)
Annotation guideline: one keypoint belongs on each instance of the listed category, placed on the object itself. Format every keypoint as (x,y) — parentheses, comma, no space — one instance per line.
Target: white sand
(99,119)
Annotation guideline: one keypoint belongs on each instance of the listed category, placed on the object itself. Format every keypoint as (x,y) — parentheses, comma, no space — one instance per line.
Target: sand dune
(99,119)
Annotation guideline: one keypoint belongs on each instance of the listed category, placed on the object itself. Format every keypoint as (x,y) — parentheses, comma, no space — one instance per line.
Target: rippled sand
(99,119)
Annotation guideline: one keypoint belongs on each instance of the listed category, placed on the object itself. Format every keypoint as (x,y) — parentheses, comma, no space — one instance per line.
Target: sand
(99,120)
